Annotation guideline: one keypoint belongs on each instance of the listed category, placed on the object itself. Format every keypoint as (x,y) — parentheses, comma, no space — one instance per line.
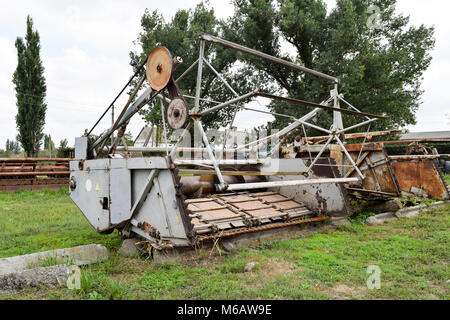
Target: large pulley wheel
(177,114)
(159,68)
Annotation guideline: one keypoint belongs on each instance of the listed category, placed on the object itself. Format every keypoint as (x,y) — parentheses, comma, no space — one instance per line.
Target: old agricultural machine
(177,201)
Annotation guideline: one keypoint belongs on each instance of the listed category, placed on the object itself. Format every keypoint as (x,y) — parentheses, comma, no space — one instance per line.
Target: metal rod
(180,149)
(277,184)
(202,99)
(219,162)
(199,76)
(125,115)
(238,47)
(356,126)
(222,185)
(185,132)
(187,70)
(164,126)
(320,153)
(349,157)
(220,106)
(350,105)
(117,97)
(220,77)
(316,105)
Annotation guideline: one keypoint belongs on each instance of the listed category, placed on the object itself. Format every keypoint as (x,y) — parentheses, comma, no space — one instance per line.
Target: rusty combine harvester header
(33,173)
(177,201)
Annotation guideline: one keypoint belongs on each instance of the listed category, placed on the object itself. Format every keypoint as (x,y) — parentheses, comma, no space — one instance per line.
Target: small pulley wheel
(159,68)
(177,114)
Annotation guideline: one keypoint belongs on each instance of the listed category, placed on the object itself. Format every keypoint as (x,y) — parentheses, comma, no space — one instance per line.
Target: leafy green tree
(48,142)
(30,89)
(380,69)
(64,151)
(181,37)
(12,146)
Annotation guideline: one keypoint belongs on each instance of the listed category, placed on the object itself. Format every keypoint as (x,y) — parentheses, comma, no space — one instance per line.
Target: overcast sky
(85,52)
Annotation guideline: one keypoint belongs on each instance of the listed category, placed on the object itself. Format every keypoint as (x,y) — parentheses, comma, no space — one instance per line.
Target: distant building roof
(426,135)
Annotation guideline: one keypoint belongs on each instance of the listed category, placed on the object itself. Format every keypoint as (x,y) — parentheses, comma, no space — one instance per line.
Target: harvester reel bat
(159,68)
(177,114)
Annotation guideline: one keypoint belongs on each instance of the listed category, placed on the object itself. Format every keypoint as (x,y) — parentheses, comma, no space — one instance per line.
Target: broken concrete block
(82,255)
(129,248)
(343,221)
(43,276)
(380,218)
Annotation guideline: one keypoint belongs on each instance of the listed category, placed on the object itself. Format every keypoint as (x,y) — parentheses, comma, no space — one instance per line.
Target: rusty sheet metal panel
(421,174)
(380,180)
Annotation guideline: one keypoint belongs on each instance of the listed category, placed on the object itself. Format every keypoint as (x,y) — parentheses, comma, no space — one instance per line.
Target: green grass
(413,256)
(32,221)
(447,178)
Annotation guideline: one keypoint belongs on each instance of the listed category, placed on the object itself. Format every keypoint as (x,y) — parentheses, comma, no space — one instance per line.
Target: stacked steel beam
(33,173)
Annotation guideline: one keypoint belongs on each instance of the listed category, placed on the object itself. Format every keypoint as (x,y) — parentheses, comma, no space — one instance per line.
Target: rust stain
(422,175)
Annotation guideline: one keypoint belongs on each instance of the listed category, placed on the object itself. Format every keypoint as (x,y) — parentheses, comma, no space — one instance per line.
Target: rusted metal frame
(372,167)
(320,153)
(259,229)
(364,142)
(372,191)
(33,160)
(349,157)
(317,105)
(357,163)
(276,184)
(259,54)
(352,136)
(34,173)
(283,132)
(414,157)
(187,71)
(417,140)
(307,144)
(222,185)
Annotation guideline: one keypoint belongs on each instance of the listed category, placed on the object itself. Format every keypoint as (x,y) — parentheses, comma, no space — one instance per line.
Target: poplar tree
(31,90)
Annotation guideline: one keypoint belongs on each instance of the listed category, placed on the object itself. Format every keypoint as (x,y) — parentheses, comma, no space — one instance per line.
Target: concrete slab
(43,276)
(81,255)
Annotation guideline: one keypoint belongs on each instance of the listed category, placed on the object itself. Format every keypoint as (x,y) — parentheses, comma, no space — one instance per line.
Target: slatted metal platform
(225,212)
